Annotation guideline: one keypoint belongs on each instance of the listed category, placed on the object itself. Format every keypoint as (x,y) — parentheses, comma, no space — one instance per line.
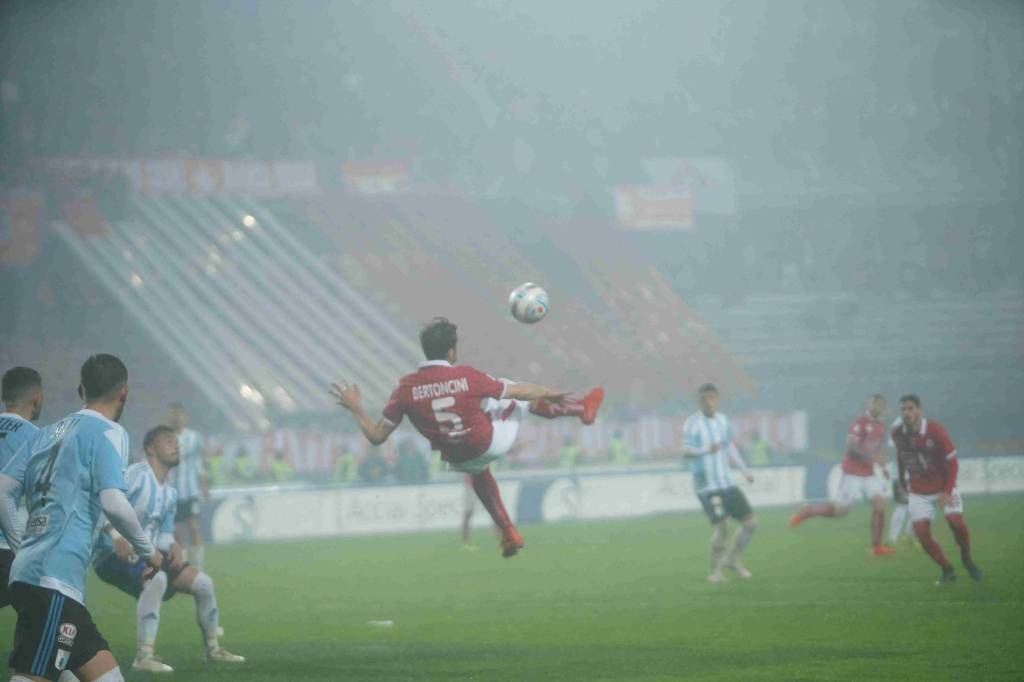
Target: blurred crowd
(410,462)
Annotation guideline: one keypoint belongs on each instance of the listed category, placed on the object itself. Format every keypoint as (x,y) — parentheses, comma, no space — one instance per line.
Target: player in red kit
(927,456)
(865,447)
(470,417)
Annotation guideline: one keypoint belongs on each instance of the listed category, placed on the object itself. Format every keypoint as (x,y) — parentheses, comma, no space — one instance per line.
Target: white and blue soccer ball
(529,303)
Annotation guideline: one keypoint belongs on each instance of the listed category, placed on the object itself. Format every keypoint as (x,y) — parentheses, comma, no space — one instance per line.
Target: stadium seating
(250,314)
(956,349)
(621,326)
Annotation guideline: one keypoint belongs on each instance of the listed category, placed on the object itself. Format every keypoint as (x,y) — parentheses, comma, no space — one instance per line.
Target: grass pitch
(624,600)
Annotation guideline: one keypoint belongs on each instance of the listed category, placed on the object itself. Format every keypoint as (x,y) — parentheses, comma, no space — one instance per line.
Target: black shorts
(899,494)
(6,559)
(53,633)
(128,577)
(720,504)
(187,509)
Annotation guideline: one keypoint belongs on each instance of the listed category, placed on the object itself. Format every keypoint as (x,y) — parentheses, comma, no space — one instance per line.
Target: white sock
(110,676)
(196,555)
(147,612)
(207,614)
(897,522)
(65,676)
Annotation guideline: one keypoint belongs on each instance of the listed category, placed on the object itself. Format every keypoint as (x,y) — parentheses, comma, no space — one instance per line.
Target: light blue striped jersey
(185,477)
(711,470)
(15,431)
(154,503)
(62,470)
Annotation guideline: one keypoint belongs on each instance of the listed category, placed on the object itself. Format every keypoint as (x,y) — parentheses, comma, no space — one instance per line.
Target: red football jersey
(868,433)
(925,455)
(444,403)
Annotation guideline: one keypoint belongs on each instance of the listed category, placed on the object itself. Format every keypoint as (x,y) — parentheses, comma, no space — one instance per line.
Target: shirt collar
(94,413)
(434,363)
(12,415)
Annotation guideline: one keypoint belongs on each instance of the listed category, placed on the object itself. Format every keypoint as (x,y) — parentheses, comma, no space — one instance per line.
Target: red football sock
(923,529)
(486,489)
(570,407)
(877,523)
(960,534)
(820,509)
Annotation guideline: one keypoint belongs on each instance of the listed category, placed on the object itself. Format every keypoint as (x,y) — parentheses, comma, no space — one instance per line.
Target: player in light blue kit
(708,446)
(69,472)
(189,479)
(22,395)
(155,503)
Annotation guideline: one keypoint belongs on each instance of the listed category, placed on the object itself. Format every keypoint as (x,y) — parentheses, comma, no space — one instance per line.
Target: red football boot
(591,404)
(511,542)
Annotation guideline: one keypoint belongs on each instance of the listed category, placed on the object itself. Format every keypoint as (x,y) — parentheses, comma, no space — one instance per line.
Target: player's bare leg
(732,558)
(585,408)
(719,542)
(826,509)
(923,529)
(490,496)
(100,668)
(963,540)
(877,526)
(200,586)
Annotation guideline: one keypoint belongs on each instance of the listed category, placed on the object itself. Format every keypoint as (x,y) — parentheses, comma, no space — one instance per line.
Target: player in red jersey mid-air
(925,453)
(470,417)
(865,447)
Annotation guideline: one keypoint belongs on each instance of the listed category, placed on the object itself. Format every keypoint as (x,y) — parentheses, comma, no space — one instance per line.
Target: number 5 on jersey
(447,422)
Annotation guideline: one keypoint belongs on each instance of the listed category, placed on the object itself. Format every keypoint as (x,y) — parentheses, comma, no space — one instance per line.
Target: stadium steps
(388,256)
(465,266)
(254,318)
(769,331)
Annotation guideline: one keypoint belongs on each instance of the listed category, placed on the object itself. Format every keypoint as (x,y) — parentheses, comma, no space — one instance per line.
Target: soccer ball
(529,303)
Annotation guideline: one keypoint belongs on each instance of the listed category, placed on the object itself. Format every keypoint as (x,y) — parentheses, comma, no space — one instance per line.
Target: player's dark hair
(17,383)
(155,433)
(707,388)
(438,337)
(911,398)
(102,374)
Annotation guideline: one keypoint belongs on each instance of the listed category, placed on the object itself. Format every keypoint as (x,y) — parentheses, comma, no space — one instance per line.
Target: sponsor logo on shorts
(61,660)
(37,525)
(66,634)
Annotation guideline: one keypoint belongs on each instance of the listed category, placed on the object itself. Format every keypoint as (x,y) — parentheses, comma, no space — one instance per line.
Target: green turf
(624,600)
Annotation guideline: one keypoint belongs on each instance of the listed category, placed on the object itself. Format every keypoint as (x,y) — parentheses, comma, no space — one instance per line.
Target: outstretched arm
(350,398)
(122,518)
